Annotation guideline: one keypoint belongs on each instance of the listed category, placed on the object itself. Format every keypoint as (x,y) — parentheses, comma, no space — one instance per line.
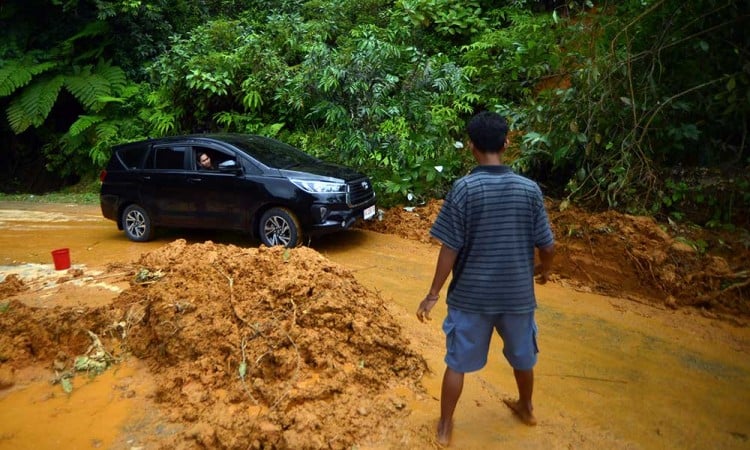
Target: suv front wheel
(279,226)
(137,224)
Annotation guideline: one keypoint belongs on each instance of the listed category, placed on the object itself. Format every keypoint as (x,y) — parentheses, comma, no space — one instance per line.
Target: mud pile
(675,266)
(11,285)
(33,335)
(408,222)
(627,256)
(250,348)
(255,346)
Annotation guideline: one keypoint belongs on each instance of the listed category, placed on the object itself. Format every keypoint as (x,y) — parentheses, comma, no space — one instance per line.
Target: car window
(168,158)
(218,157)
(271,152)
(249,168)
(131,157)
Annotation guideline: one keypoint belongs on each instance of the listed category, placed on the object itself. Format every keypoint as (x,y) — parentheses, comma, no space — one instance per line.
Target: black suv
(251,183)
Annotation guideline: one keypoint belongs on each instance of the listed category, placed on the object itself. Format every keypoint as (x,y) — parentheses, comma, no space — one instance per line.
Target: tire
(136,223)
(279,226)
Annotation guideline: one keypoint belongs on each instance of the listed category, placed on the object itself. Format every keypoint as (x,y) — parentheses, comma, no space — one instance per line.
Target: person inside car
(204,162)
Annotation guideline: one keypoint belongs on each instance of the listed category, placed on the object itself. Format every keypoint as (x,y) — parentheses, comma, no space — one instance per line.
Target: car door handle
(195,180)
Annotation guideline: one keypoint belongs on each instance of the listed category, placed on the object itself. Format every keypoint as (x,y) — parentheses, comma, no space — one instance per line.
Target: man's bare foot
(444,432)
(521,412)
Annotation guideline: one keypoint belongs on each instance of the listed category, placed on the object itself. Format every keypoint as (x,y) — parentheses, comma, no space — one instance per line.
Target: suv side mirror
(230,166)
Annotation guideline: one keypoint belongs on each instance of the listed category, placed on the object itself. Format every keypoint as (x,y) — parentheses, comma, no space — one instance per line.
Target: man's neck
(489,159)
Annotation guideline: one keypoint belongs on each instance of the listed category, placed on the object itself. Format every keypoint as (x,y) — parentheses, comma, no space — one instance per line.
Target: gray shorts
(468,335)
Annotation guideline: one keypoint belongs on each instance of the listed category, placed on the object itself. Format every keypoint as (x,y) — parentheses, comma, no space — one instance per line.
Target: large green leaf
(17,74)
(90,84)
(83,123)
(32,107)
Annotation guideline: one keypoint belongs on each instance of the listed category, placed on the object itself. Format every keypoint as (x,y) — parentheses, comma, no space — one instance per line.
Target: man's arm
(543,270)
(446,259)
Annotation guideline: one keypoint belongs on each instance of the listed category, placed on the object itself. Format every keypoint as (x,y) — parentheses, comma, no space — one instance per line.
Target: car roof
(222,137)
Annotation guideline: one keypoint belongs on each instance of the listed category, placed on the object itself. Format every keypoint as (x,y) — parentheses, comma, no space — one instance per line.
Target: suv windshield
(271,152)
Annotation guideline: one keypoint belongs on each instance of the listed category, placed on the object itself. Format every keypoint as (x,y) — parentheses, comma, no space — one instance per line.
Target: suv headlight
(319,187)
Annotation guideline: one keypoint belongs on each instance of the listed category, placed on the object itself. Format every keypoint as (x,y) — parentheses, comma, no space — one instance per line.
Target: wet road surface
(612,373)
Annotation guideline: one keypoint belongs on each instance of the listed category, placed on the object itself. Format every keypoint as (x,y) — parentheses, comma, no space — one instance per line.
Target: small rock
(398,403)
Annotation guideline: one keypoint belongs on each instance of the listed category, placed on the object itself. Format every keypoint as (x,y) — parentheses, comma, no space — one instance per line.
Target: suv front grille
(359,191)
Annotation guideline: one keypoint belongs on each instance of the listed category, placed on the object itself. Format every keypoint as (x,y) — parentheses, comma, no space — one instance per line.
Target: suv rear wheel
(137,224)
(279,226)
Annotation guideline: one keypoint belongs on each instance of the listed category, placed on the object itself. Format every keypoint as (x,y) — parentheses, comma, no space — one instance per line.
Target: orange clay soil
(628,256)
(281,335)
(278,333)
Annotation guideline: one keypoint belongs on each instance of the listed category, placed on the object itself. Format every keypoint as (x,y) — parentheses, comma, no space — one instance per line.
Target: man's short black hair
(487,130)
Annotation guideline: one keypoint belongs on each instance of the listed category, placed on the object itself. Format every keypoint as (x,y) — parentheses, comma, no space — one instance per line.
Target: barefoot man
(489,226)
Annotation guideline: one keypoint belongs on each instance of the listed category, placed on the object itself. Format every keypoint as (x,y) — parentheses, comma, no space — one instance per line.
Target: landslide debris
(250,348)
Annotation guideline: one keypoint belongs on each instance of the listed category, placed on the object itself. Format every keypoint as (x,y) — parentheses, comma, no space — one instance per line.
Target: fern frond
(108,99)
(162,122)
(105,131)
(113,74)
(100,152)
(89,86)
(130,90)
(83,123)
(17,74)
(33,105)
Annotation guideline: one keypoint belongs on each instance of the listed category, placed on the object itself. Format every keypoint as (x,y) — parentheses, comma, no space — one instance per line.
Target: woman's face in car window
(204,161)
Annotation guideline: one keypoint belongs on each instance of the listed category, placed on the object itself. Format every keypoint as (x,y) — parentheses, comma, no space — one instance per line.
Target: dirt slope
(628,256)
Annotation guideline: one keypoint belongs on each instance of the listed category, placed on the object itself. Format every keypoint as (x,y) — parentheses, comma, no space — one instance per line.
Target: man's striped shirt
(494,218)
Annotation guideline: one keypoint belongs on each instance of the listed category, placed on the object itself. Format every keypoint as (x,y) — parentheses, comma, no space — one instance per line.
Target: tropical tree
(59,79)
(33,82)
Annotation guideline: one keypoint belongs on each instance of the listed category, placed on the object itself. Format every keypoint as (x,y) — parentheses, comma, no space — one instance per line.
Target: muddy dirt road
(612,373)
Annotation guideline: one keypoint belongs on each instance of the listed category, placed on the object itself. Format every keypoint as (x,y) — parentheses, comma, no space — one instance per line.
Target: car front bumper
(329,219)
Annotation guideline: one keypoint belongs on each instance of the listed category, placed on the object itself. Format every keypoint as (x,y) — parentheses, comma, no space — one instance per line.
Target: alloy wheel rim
(277,231)
(135,223)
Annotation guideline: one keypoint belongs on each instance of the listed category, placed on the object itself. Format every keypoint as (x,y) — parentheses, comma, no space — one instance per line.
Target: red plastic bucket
(61,257)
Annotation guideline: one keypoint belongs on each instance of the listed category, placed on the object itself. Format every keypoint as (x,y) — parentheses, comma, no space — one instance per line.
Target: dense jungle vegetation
(639,105)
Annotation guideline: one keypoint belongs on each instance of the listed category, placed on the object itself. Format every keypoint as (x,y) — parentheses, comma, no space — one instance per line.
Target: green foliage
(83,123)
(73,60)
(704,197)
(161,114)
(32,106)
(373,101)
(330,19)
(384,107)
(602,101)
(223,66)
(115,120)
(94,86)
(448,18)
(89,197)
(511,59)
(50,46)
(16,74)
(648,89)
